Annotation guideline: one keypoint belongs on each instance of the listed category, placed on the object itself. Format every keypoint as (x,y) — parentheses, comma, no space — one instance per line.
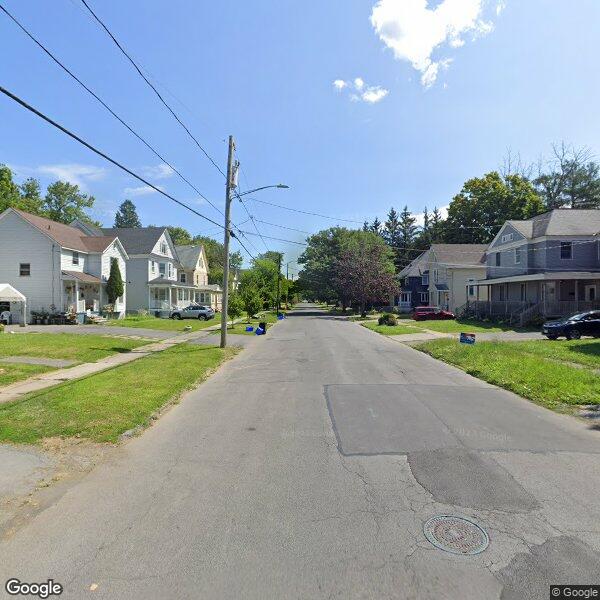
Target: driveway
(306,468)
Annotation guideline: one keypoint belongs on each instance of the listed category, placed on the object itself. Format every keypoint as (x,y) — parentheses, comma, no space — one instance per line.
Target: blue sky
(447,87)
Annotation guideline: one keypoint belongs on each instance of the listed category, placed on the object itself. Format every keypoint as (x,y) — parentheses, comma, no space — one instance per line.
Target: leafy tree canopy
(127,216)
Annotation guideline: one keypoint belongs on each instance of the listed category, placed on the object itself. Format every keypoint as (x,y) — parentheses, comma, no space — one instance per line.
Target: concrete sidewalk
(46,380)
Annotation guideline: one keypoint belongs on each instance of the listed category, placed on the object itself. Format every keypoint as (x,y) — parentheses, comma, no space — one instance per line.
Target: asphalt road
(306,468)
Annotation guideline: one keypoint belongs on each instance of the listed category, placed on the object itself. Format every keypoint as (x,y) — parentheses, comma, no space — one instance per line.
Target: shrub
(388,319)
(1,327)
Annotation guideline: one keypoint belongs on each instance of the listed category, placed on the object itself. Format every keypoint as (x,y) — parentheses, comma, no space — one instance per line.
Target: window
(498,259)
(507,238)
(170,270)
(24,269)
(162,269)
(566,250)
(424,297)
(405,297)
(406,281)
(182,277)
(75,257)
(435,275)
(152,266)
(163,248)
(471,290)
(517,256)
(425,278)
(501,293)
(180,295)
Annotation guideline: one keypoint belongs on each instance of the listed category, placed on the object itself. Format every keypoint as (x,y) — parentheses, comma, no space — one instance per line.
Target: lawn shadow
(590,348)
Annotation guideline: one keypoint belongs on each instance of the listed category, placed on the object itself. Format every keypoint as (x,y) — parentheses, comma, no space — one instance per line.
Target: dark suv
(587,323)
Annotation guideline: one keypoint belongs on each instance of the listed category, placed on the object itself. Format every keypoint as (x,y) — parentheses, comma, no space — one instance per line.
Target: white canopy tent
(9,294)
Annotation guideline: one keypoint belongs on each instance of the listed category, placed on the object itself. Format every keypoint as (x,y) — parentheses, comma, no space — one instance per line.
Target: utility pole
(287,282)
(278,283)
(228,186)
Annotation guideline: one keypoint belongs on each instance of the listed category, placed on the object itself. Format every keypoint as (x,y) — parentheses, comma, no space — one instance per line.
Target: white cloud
(413,31)
(500,6)
(142,190)
(160,171)
(374,94)
(361,92)
(74,173)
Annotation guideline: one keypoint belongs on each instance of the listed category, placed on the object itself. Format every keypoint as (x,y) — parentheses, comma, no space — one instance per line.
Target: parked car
(423,313)
(193,311)
(587,323)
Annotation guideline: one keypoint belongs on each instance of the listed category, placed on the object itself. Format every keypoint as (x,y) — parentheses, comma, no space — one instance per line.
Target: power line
(106,106)
(246,208)
(304,212)
(102,154)
(268,237)
(158,94)
(283,227)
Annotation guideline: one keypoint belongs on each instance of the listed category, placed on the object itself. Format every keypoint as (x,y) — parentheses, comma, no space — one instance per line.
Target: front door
(590,293)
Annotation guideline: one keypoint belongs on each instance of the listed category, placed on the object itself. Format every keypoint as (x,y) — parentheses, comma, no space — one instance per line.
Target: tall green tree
(407,229)
(392,235)
(250,299)
(235,307)
(126,216)
(65,203)
(476,214)
(25,197)
(179,235)
(114,285)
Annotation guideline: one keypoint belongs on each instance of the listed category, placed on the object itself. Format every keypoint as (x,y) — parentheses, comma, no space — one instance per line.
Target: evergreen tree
(366,226)
(392,236)
(408,232)
(114,285)
(423,240)
(435,229)
(375,226)
(127,216)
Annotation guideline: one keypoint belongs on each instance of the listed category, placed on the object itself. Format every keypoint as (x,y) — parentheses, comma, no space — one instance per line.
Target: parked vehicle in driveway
(193,311)
(424,313)
(574,327)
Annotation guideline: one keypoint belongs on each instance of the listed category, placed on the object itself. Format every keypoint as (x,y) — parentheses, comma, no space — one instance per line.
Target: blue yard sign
(467,338)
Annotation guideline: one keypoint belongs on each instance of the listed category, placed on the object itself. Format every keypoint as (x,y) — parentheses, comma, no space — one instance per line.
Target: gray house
(545,266)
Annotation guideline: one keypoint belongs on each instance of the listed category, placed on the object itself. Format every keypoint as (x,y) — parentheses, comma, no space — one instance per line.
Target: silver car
(193,311)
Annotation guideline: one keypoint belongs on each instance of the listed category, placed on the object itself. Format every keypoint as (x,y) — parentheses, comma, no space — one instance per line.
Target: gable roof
(416,267)
(136,240)
(560,221)
(460,255)
(65,235)
(188,255)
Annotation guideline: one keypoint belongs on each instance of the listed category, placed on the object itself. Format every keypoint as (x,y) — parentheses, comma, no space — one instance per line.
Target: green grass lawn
(151,322)
(103,406)
(389,329)
(70,346)
(529,369)
(452,326)
(13,372)
(582,352)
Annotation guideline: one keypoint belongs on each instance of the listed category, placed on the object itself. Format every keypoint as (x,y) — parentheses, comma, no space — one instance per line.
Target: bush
(1,327)
(388,319)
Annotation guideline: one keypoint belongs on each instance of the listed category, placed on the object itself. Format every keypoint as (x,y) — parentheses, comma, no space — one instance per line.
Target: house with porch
(547,266)
(414,284)
(193,268)
(57,267)
(157,280)
(452,270)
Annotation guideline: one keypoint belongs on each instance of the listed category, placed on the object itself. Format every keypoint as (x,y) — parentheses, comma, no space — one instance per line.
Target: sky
(357,105)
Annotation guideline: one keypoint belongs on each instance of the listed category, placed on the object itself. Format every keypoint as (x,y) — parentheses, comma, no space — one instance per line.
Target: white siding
(20,242)
(66,261)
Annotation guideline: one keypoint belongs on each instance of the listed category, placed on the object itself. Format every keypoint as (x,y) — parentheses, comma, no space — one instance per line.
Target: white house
(193,269)
(156,280)
(57,267)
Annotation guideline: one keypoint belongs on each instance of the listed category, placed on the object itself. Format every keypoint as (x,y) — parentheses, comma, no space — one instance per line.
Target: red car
(424,313)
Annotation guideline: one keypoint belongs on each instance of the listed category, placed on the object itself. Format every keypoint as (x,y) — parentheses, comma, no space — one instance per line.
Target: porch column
(76,296)
(477,303)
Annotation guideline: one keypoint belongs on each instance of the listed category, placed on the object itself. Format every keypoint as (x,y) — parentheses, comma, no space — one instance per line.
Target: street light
(281,186)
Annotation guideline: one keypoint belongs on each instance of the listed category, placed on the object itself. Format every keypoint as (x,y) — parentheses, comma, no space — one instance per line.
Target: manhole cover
(456,534)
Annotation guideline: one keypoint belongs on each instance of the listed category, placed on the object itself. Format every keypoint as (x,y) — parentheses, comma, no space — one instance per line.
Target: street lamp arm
(264,187)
